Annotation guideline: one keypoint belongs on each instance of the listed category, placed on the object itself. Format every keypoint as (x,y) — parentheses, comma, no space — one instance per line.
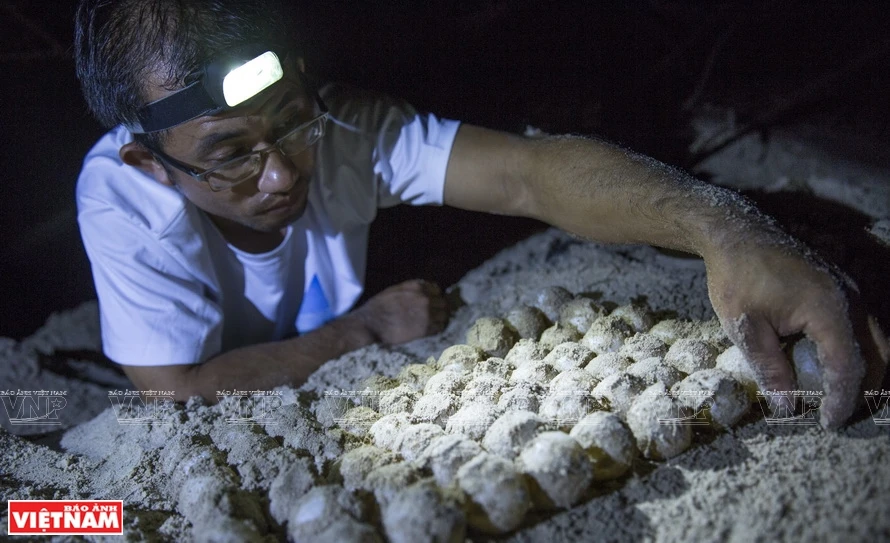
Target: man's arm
(400,313)
(592,189)
(762,284)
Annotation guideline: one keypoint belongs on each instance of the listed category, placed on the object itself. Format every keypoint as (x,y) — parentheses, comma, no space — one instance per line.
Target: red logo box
(69,517)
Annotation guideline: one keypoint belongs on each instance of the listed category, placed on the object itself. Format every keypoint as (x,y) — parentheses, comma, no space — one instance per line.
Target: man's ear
(135,154)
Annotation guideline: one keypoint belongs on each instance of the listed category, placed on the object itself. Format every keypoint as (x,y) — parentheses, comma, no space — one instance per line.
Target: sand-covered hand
(765,293)
(406,311)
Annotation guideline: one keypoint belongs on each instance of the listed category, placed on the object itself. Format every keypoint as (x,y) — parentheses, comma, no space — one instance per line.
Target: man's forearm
(602,192)
(400,313)
(268,365)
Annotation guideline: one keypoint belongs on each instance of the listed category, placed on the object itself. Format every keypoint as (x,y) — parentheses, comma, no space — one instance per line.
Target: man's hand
(763,292)
(405,312)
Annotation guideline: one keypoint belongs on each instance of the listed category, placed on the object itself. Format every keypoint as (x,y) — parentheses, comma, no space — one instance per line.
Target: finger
(435,328)
(873,344)
(430,288)
(437,323)
(843,367)
(759,342)
(439,315)
(438,304)
(877,354)
(411,285)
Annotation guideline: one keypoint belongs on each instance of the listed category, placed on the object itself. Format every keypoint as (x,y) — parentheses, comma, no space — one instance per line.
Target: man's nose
(279,173)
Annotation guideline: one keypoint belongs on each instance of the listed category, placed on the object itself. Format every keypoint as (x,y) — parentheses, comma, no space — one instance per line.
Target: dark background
(621,70)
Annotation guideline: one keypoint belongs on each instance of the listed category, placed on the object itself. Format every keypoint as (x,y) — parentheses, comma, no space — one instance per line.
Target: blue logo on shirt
(316,310)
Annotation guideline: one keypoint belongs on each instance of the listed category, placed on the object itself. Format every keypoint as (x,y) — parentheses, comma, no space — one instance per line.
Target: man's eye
(288,125)
(226,156)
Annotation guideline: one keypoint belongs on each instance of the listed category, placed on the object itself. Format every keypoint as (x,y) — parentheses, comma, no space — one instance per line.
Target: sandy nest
(754,481)
(200,476)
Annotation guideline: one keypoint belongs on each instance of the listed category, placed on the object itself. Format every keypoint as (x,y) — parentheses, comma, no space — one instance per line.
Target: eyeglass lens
(243,168)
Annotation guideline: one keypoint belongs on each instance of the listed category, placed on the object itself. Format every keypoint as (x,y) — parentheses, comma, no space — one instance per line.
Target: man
(226,213)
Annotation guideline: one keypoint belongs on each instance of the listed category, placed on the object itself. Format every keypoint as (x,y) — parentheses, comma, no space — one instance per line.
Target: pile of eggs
(533,412)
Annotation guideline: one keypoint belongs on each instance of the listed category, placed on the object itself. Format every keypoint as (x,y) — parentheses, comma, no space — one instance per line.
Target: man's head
(133,52)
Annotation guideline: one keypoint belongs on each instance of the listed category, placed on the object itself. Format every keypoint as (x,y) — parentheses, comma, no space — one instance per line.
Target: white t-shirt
(173,291)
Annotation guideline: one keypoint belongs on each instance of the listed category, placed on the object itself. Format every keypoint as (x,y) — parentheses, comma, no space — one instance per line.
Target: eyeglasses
(246,167)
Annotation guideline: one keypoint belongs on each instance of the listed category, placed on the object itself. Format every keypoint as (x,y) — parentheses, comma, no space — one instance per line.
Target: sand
(756,481)
(195,474)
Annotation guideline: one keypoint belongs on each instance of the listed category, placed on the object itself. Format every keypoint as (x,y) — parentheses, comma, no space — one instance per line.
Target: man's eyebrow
(287,99)
(207,143)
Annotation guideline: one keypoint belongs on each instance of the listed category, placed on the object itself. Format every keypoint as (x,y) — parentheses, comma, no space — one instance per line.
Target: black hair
(123,46)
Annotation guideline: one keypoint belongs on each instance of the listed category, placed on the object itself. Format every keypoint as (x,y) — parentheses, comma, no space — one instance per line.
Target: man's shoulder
(364,110)
(380,151)
(107,185)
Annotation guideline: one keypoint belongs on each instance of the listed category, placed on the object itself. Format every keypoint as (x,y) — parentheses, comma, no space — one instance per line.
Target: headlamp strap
(177,108)
(206,95)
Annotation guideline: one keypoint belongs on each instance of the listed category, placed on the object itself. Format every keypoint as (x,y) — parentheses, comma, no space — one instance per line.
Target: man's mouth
(281,206)
(287,204)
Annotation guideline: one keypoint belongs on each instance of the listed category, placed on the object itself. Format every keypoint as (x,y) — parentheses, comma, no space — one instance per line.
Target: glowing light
(249,79)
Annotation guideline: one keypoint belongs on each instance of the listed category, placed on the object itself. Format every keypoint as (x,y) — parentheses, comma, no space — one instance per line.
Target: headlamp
(222,84)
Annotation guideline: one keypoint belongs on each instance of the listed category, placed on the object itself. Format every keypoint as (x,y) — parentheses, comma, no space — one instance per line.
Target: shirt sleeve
(152,312)
(412,166)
